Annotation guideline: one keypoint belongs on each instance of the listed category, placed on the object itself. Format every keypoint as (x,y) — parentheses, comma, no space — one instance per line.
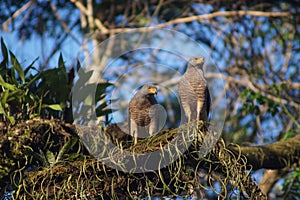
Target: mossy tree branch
(180,177)
(278,155)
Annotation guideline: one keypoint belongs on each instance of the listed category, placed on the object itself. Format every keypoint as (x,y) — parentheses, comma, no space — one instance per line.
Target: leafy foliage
(253,100)
(23,94)
(35,145)
(291,185)
(28,96)
(46,94)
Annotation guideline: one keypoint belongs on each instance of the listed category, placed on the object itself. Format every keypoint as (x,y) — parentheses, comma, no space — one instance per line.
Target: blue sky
(28,50)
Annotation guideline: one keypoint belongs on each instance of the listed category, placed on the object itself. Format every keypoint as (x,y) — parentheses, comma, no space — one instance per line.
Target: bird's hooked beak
(152,90)
(199,60)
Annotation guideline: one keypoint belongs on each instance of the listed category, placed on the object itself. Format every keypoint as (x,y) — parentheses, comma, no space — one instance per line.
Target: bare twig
(90,15)
(16,14)
(98,23)
(63,24)
(56,47)
(246,82)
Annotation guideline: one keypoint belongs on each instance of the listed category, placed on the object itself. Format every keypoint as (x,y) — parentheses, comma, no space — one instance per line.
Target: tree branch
(272,156)
(194,18)
(230,161)
(246,82)
(85,11)
(270,177)
(62,22)
(16,14)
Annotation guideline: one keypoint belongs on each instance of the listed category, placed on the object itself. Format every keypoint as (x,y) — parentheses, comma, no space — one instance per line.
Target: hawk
(193,91)
(145,116)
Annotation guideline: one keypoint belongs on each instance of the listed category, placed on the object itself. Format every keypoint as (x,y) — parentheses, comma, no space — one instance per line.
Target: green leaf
(50,158)
(31,116)
(3,107)
(101,90)
(252,96)
(244,94)
(84,92)
(52,106)
(12,77)
(42,157)
(17,66)
(4,53)
(2,110)
(262,99)
(142,20)
(34,79)
(84,76)
(61,63)
(288,135)
(4,97)
(30,66)
(6,85)
(11,119)
(73,156)
(67,146)
(15,95)
(284,86)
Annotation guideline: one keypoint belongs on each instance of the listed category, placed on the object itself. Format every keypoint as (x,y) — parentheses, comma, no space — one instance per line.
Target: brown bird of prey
(193,91)
(144,113)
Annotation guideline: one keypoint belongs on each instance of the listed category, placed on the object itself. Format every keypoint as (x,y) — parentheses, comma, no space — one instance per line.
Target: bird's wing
(158,117)
(208,100)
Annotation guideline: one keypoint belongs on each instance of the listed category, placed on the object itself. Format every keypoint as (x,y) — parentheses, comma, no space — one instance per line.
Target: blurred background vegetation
(256,46)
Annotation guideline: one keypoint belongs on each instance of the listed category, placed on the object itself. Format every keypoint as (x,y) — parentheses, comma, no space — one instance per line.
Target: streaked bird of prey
(193,91)
(146,116)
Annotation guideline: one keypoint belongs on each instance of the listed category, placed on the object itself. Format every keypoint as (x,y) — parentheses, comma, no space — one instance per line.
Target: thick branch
(270,177)
(220,159)
(273,156)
